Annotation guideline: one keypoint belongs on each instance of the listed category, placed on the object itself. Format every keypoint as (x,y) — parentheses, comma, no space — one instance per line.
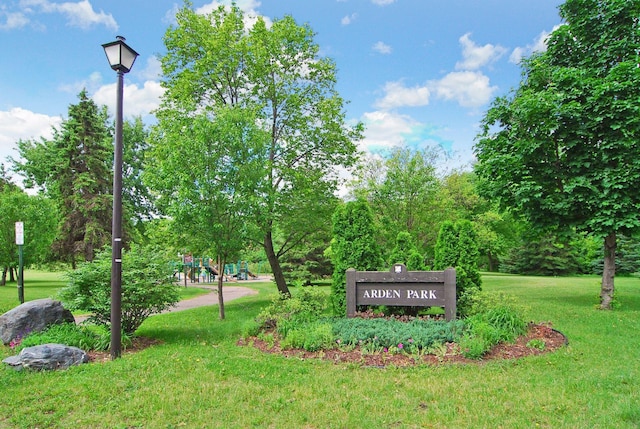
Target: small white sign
(19,233)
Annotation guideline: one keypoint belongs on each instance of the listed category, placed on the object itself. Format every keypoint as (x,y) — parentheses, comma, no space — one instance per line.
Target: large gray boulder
(32,316)
(47,357)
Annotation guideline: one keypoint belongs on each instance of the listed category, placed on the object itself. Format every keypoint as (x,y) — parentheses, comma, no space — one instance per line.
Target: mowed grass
(200,378)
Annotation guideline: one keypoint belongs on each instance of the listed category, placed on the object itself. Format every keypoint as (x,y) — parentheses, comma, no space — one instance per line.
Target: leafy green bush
(354,245)
(147,287)
(305,304)
(457,247)
(70,334)
(495,318)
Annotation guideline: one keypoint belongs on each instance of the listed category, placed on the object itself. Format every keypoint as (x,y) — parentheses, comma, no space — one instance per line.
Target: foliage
(406,252)
(353,246)
(401,189)
(457,247)
(311,336)
(303,268)
(38,215)
(498,232)
(411,337)
(147,287)
(562,148)
(306,304)
(137,201)
(546,255)
(74,169)
(286,92)
(493,318)
(70,334)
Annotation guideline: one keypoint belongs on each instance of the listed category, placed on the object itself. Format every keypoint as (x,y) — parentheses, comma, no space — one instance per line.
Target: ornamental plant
(147,287)
(353,246)
(457,247)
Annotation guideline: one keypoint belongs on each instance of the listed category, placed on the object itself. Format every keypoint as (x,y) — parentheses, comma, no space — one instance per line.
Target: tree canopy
(562,148)
(276,73)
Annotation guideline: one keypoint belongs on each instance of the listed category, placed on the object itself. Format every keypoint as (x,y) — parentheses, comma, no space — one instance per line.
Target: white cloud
(468,88)
(20,124)
(385,130)
(383,2)
(382,48)
(12,20)
(92,82)
(474,56)
(349,19)
(152,70)
(398,95)
(137,101)
(538,45)
(79,14)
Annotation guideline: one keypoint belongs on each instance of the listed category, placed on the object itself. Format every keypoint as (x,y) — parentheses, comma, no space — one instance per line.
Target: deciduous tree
(276,72)
(563,147)
(39,217)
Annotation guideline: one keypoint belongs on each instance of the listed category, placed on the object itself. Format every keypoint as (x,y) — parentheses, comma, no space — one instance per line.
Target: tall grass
(200,378)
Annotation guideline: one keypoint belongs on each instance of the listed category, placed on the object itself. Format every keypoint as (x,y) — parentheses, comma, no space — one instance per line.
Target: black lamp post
(121,58)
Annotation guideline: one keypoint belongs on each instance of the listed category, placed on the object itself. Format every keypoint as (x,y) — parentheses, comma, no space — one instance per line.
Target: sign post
(20,243)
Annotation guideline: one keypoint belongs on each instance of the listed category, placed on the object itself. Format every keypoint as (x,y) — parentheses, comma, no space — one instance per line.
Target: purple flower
(400,346)
(386,350)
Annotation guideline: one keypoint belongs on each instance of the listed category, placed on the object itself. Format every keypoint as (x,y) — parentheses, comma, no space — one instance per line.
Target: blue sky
(416,72)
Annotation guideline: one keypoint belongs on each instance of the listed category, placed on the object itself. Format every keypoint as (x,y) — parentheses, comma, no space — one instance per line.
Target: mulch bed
(553,340)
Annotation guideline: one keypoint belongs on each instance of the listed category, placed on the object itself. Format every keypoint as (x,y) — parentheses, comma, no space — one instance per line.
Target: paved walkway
(229,293)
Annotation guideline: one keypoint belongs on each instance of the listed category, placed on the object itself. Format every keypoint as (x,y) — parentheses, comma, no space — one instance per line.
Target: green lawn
(200,378)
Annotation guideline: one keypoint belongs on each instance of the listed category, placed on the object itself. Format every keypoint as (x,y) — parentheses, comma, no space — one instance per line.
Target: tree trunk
(221,262)
(281,283)
(12,277)
(492,262)
(3,280)
(607,291)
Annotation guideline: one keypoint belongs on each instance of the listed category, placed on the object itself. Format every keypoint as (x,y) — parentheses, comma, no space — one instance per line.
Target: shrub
(353,246)
(147,287)
(415,335)
(305,304)
(457,247)
(494,318)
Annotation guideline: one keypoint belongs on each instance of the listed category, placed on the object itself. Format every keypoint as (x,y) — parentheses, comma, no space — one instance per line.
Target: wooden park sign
(399,287)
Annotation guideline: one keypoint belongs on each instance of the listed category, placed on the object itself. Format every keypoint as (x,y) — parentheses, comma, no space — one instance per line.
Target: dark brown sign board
(399,287)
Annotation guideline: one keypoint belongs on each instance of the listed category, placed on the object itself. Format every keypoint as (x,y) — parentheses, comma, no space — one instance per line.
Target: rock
(32,316)
(47,357)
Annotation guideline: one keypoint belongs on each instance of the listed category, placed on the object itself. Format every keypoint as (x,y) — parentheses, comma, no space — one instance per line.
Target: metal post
(20,275)
(116,231)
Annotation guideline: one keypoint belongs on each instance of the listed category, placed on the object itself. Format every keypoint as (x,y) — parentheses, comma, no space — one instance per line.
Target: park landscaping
(197,375)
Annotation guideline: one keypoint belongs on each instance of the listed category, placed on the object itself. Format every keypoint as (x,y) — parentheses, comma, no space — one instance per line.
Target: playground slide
(212,270)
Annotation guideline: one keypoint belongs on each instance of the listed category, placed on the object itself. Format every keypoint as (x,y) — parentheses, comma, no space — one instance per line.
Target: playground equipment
(196,268)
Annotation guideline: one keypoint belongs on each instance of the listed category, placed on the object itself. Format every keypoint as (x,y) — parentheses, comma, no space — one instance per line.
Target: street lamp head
(120,55)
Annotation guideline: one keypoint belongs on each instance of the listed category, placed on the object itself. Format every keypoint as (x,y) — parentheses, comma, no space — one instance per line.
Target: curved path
(229,293)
